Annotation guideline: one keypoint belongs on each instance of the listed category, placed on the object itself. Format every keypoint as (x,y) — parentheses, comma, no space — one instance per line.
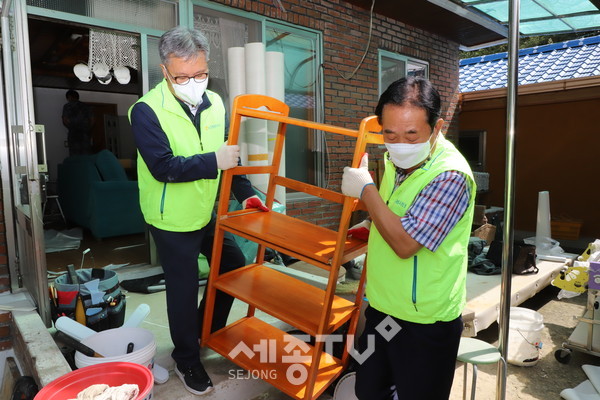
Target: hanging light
(82,72)
(122,75)
(111,54)
(102,73)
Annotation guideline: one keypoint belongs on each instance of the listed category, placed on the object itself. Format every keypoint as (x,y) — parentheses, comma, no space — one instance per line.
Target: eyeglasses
(183,80)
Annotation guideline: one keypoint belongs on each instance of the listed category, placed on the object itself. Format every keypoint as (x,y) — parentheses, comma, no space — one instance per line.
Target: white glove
(227,156)
(354,180)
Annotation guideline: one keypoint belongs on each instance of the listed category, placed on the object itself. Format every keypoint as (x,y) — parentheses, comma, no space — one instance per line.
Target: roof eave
(440,17)
(535,88)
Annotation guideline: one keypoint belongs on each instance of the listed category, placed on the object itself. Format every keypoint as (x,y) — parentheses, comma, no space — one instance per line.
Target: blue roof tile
(571,59)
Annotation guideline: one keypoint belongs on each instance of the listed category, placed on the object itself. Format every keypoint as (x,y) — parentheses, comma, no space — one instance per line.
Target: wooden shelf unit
(300,369)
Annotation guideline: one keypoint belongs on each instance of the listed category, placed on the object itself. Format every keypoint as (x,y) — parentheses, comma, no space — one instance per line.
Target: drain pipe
(509,197)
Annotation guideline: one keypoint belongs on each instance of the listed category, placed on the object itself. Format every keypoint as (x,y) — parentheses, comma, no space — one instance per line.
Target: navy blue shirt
(153,145)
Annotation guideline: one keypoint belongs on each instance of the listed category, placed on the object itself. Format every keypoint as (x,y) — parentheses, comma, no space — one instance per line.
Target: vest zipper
(162,200)
(199,128)
(414,286)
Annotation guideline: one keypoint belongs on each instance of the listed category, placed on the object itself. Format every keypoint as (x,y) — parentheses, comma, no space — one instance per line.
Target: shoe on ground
(195,379)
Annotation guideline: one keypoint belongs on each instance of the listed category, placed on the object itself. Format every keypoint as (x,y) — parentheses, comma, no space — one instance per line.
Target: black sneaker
(195,379)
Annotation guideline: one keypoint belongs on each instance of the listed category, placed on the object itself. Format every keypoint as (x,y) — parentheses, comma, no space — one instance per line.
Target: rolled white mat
(255,68)
(236,72)
(275,76)
(542,231)
(256,138)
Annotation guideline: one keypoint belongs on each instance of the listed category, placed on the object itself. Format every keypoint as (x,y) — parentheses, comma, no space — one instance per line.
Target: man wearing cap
(79,119)
(179,130)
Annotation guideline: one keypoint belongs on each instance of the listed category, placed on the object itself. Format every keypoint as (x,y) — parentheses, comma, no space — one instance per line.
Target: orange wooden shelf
(276,362)
(292,236)
(284,297)
(312,310)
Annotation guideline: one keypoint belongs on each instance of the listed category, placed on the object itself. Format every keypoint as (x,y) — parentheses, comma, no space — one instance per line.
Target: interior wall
(556,146)
(48,105)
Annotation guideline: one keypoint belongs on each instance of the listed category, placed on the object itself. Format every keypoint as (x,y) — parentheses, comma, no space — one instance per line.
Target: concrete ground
(540,382)
(543,381)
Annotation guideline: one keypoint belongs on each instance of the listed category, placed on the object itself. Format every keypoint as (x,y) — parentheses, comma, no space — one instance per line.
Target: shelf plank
(291,236)
(274,356)
(288,299)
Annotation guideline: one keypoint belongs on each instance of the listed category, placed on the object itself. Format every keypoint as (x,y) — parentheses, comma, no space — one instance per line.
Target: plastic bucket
(524,336)
(111,374)
(113,343)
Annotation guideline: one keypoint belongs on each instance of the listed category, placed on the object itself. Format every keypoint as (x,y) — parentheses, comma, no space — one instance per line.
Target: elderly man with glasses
(179,131)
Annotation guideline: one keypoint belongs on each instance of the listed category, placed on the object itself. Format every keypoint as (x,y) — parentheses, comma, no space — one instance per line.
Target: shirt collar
(189,110)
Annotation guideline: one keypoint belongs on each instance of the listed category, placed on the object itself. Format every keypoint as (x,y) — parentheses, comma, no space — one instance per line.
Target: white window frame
(408,62)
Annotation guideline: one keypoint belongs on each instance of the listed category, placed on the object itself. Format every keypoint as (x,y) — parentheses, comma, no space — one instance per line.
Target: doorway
(55,48)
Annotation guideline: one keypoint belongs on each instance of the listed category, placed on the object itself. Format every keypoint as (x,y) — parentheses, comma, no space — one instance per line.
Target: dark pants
(419,360)
(178,252)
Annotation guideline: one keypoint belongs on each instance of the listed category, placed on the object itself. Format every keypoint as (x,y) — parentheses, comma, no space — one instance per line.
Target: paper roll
(275,85)
(542,232)
(242,143)
(258,154)
(255,68)
(236,72)
(275,78)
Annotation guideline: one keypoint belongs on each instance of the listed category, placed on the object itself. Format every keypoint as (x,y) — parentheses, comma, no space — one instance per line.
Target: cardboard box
(565,229)
(486,232)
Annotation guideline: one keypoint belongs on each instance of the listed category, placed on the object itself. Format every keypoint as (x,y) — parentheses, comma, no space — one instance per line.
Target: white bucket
(524,336)
(112,344)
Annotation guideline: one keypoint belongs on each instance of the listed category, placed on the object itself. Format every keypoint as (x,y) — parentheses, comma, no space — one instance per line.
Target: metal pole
(507,249)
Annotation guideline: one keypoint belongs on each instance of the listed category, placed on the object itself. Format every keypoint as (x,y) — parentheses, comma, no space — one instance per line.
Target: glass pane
(531,9)
(154,71)
(224,31)
(416,69)
(538,27)
(584,21)
(18,108)
(155,14)
(562,7)
(499,10)
(301,87)
(391,70)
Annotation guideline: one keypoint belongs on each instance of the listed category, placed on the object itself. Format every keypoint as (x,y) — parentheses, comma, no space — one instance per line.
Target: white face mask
(406,155)
(191,92)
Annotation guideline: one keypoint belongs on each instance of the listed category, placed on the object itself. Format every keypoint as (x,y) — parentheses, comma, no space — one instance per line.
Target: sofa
(96,194)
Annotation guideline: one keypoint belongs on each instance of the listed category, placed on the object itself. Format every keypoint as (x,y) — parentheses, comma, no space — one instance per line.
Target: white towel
(105,392)
(91,392)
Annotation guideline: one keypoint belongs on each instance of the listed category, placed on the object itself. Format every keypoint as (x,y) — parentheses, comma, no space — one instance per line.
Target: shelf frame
(270,230)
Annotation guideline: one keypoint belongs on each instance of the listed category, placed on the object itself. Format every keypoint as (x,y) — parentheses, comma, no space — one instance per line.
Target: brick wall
(349,98)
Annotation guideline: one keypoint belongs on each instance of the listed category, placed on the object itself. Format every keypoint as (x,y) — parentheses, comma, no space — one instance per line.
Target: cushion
(109,168)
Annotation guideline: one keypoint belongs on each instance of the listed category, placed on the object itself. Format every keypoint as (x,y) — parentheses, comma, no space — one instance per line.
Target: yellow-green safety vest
(181,206)
(429,286)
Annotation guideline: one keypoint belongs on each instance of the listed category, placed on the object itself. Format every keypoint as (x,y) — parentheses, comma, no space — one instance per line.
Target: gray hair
(182,42)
